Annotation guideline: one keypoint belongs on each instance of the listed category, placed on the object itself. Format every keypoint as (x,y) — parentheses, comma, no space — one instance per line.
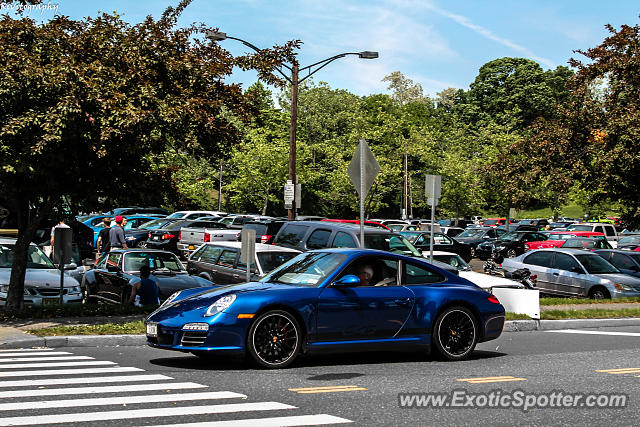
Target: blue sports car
(331,300)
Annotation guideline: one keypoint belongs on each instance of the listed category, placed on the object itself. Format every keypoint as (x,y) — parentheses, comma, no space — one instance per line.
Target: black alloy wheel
(141,244)
(274,339)
(455,333)
(511,253)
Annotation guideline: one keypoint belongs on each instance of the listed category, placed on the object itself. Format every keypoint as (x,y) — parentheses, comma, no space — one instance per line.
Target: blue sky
(436,43)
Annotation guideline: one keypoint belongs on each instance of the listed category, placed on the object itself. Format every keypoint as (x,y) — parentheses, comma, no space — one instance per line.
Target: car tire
(511,253)
(274,339)
(455,333)
(599,292)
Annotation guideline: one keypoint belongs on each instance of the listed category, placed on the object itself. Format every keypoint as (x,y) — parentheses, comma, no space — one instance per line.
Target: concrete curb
(552,325)
(29,341)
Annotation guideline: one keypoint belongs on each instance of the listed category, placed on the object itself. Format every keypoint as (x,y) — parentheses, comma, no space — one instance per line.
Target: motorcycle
(524,276)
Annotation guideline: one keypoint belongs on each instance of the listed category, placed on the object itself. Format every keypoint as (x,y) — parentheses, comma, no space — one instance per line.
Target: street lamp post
(294,80)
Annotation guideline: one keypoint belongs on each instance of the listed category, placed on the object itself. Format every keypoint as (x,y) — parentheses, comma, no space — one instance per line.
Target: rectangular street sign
(432,186)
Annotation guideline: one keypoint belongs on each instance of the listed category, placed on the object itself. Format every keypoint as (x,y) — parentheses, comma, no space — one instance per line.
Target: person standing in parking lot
(103,243)
(116,235)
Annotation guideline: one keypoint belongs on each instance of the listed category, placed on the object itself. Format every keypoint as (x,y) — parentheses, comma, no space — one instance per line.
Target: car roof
(260,247)
(570,251)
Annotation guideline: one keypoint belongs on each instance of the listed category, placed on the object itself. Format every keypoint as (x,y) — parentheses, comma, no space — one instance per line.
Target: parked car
(133,221)
(451,231)
(42,278)
(476,235)
(117,271)
(518,227)
(586,243)
(494,222)
(630,242)
(238,221)
(556,239)
(574,272)
(509,245)
(220,262)
(598,227)
(266,230)
(625,261)
(137,237)
(441,242)
(310,235)
(403,227)
(560,224)
(192,236)
(271,321)
(196,214)
(169,237)
(537,223)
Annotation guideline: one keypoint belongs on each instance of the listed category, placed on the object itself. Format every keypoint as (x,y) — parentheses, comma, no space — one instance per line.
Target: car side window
(385,270)
(227,258)
(565,262)
(542,258)
(599,229)
(441,239)
(420,275)
(610,231)
(291,235)
(319,239)
(622,261)
(343,240)
(210,254)
(243,266)
(114,259)
(420,240)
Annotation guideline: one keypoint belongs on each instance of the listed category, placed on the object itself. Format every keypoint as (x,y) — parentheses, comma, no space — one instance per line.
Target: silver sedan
(574,272)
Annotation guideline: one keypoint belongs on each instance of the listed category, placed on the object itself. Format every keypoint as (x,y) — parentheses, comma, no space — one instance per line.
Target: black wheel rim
(142,245)
(511,253)
(456,333)
(275,339)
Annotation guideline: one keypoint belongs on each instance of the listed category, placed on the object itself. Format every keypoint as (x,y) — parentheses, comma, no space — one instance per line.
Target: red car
(557,239)
(357,221)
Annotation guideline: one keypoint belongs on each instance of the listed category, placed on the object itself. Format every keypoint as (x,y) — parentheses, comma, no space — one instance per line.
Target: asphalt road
(362,388)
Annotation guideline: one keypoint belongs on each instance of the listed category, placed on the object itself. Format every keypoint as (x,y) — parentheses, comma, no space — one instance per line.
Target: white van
(598,227)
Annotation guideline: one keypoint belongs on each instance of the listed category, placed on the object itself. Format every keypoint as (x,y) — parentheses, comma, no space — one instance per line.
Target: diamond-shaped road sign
(364,165)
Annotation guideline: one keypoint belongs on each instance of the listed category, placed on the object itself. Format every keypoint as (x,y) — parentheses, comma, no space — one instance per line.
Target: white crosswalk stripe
(115,389)
(25,349)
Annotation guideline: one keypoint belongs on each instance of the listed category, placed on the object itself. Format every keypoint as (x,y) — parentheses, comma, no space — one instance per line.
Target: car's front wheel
(599,292)
(274,339)
(455,333)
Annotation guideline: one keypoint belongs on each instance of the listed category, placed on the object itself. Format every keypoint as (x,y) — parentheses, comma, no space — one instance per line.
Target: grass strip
(72,310)
(136,327)
(564,301)
(593,313)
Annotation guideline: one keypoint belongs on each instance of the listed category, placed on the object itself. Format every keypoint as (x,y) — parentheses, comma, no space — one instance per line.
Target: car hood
(36,277)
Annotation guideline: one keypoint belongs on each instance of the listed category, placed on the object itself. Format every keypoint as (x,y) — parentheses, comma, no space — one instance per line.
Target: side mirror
(71,266)
(348,280)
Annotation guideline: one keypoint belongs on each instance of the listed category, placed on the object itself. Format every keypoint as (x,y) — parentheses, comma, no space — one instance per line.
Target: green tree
(89,108)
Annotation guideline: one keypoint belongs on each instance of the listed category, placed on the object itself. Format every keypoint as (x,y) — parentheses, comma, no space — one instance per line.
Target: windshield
(227,220)
(561,236)
(579,228)
(390,243)
(453,260)
(630,240)
(309,269)
(35,257)
(271,260)
(395,227)
(512,236)
(595,264)
(472,232)
(157,261)
(410,235)
(176,215)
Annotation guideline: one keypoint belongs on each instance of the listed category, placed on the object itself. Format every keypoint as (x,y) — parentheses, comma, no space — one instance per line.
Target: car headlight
(623,287)
(4,288)
(170,299)
(74,290)
(220,305)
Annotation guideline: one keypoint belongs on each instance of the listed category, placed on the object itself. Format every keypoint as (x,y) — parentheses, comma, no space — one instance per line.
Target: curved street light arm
(246,43)
(323,64)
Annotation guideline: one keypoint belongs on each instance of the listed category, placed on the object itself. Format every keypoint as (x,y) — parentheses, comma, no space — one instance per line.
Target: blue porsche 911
(331,300)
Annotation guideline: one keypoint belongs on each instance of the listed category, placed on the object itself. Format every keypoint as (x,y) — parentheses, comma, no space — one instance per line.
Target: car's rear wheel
(455,333)
(274,339)
(598,292)
(511,253)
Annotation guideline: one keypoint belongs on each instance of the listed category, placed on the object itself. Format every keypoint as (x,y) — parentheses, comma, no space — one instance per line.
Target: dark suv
(310,235)
(265,230)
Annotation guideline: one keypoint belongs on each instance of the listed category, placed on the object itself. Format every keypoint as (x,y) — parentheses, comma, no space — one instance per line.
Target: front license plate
(50,301)
(152,329)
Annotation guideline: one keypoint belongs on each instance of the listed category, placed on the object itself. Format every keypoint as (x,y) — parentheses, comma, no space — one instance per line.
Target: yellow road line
(620,371)
(491,380)
(327,389)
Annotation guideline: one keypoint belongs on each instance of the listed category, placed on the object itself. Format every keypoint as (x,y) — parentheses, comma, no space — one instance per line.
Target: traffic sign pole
(362,192)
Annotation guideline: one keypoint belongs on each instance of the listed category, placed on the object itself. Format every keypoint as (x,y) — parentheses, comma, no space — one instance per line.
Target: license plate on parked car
(50,301)
(152,329)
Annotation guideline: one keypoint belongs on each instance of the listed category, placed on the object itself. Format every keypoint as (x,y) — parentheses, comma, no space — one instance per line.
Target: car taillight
(533,278)
(207,237)
(493,299)
(238,236)
(265,238)
(180,235)
(527,247)
(167,236)
(149,234)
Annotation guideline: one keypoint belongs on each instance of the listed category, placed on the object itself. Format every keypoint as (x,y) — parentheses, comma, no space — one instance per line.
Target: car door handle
(403,301)
(236,276)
